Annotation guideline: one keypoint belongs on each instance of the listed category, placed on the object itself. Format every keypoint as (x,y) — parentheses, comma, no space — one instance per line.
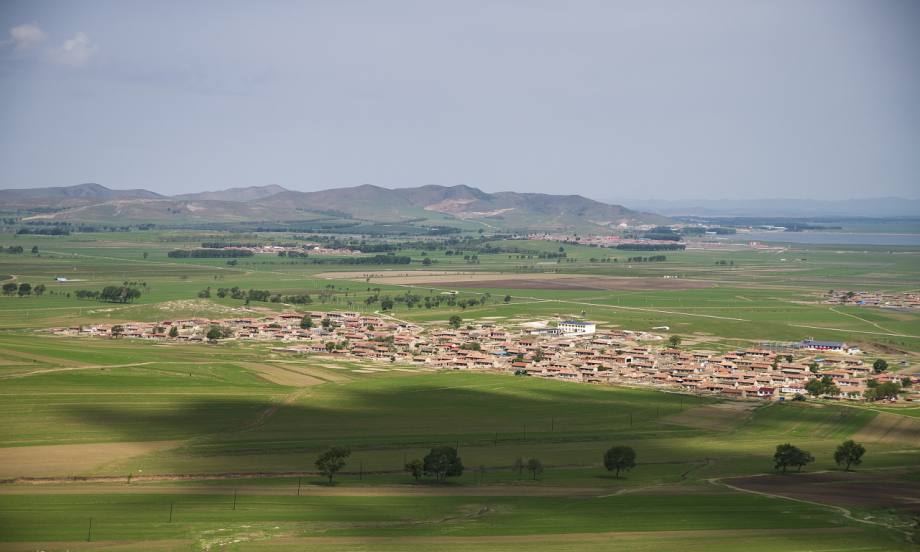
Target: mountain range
(431,205)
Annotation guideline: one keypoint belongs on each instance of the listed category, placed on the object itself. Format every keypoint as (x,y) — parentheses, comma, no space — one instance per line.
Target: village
(567,350)
(882,299)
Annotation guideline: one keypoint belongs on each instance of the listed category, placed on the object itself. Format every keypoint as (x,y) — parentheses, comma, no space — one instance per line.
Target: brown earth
(875,489)
(622,540)
(890,429)
(68,460)
(718,417)
(519,281)
(290,375)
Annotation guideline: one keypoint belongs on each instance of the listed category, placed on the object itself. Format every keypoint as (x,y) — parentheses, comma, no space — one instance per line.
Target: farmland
(212,446)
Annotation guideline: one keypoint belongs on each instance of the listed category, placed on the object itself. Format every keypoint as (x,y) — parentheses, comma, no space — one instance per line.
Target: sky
(643,99)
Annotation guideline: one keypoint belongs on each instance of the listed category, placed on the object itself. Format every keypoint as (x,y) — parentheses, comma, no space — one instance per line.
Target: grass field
(122,432)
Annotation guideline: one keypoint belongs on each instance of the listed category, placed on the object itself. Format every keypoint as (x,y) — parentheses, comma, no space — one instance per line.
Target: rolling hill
(431,205)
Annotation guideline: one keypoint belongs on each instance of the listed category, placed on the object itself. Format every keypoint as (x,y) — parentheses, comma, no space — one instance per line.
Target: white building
(576,327)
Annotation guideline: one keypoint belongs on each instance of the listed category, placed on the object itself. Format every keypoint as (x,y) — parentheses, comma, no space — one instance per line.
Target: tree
(788,455)
(850,453)
(507,298)
(145,254)
(823,386)
(880,365)
(117,330)
(426,261)
(881,391)
(39,289)
(35,250)
(25,288)
(416,468)
(327,323)
(386,303)
(535,467)
(518,465)
(442,462)
(9,288)
(674,341)
(455,321)
(174,331)
(306,322)
(619,458)
(214,333)
(330,462)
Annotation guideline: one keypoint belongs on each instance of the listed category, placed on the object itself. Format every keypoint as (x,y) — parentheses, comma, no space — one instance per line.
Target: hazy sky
(644,99)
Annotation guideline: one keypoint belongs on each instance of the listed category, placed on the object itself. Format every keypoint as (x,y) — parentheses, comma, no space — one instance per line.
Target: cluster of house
(310,249)
(598,240)
(905,300)
(568,350)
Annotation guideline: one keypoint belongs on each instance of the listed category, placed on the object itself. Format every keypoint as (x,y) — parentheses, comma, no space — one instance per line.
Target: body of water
(833,238)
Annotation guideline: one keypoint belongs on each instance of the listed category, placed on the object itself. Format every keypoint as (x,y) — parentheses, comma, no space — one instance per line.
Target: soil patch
(68,460)
(888,489)
(890,429)
(520,281)
(717,417)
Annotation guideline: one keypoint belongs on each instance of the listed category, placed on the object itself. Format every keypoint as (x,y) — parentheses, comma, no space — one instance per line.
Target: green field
(224,436)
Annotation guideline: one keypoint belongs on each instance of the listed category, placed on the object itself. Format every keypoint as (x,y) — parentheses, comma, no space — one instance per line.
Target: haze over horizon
(659,100)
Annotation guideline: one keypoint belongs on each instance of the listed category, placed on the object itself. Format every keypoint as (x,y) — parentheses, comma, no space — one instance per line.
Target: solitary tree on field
(332,461)
(535,467)
(416,468)
(880,365)
(619,458)
(507,298)
(674,341)
(443,462)
(849,453)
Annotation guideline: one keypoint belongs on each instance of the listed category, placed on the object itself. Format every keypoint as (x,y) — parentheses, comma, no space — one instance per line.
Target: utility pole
(299,481)
(170,512)
(89,533)
(234,499)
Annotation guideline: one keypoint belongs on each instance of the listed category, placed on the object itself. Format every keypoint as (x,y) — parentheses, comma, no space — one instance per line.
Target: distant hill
(510,210)
(461,206)
(81,193)
(235,194)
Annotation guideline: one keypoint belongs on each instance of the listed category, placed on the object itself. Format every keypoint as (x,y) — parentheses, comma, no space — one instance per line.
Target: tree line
(23,289)
(110,294)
